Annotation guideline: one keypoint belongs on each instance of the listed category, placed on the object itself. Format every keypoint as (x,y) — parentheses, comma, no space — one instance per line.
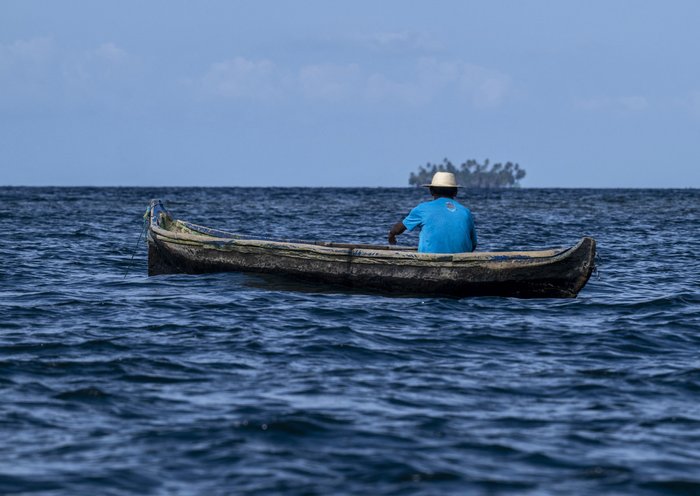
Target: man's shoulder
(463,210)
(461,206)
(456,204)
(424,205)
(440,203)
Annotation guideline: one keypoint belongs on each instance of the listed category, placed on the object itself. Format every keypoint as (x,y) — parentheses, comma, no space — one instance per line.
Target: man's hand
(398,228)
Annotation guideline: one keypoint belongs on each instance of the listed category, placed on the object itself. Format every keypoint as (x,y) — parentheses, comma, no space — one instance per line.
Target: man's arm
(472,235)
(397,229)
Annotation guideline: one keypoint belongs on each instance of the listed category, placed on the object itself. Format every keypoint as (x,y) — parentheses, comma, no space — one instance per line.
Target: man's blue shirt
(446,226)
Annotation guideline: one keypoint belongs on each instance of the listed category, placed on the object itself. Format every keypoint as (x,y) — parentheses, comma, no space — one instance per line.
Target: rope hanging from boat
(146,220)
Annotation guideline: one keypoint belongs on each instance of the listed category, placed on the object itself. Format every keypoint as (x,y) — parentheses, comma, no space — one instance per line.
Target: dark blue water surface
(241,384)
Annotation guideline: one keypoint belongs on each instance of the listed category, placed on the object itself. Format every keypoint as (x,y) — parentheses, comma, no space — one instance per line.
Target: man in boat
(446,226)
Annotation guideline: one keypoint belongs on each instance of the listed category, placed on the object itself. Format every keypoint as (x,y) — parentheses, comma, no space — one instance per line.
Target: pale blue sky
(356,93)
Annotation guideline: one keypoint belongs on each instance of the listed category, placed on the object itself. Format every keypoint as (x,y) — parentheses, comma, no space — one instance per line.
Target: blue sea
(116,383)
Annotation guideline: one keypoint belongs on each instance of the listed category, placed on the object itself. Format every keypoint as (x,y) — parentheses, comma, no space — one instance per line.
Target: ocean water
(240,384)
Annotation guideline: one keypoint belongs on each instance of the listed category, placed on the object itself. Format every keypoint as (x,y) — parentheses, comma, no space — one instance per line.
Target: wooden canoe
(176,246)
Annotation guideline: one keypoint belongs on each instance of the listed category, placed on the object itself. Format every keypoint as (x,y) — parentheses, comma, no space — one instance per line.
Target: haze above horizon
(347,94)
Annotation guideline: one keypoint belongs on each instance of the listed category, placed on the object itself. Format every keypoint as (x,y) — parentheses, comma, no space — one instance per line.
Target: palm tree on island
(472,174)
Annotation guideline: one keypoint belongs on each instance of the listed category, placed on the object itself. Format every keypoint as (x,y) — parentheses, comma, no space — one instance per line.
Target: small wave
(89,393)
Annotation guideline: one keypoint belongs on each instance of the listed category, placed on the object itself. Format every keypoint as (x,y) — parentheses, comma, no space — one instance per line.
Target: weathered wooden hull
(181,247)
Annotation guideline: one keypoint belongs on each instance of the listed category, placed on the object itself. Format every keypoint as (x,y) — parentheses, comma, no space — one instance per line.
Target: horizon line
(344,187)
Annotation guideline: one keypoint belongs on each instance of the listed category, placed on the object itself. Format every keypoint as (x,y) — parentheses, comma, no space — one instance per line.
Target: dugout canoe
(178,246)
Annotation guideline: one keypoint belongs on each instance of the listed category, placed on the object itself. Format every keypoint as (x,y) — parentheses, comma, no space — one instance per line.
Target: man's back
(446,226)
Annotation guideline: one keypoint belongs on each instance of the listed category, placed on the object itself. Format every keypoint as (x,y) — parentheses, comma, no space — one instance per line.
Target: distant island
(472,174)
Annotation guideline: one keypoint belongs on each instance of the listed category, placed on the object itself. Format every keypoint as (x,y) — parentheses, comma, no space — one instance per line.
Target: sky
(348,93)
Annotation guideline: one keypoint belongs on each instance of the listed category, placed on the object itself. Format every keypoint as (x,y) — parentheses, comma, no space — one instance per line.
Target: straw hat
(443,180)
